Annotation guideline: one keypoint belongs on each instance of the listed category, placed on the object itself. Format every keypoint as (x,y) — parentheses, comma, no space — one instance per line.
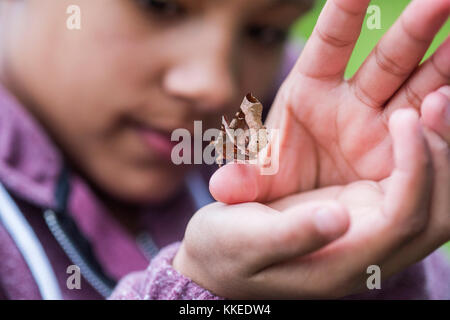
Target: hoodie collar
(29,162)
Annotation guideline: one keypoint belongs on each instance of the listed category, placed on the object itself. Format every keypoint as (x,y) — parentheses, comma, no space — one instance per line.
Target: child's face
(112,92)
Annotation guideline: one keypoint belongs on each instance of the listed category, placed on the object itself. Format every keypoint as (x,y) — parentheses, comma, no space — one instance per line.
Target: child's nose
(207,83)
(204,73)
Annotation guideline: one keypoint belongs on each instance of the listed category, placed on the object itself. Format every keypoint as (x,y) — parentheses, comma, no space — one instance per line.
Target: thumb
(236,183)
(300,230)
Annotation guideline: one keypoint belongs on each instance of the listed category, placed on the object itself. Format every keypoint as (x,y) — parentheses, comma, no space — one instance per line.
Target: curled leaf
(244,136)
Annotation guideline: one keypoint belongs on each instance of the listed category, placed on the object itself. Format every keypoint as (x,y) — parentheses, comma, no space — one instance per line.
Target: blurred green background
(390,11)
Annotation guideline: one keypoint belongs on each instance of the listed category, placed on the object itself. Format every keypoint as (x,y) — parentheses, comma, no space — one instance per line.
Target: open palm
(319,244)
(392,223)
(332,130)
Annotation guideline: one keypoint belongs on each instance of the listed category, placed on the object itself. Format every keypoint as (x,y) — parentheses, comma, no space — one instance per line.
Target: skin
(338,132)
(135,69)
(341,125)
(319,244)
(95,107)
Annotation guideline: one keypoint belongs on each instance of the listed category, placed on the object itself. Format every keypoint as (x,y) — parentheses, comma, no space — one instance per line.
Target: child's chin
(154,189)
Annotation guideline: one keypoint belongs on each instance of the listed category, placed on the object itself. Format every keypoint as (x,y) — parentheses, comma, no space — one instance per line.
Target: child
(85,123)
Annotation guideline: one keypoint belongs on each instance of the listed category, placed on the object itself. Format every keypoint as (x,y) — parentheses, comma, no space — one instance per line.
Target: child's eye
(267,35)
(165,8)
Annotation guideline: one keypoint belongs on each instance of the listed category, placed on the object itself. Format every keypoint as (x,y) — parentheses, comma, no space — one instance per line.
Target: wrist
(188,267)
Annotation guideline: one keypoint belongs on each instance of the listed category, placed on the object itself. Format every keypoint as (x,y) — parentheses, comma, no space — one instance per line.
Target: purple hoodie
(30,167)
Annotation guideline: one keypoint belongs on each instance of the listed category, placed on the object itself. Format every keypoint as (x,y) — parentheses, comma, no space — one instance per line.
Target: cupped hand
(334,130)
(319,244)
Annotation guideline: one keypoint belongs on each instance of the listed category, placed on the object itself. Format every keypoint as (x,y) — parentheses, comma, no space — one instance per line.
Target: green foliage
(447,248)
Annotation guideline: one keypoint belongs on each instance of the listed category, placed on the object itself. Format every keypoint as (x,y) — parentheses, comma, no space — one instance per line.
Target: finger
(405,197)
(430,76)
(399,51)
(445,90)
(296,232)
(440,206)
(436,112)
(437,231)
(330,46)
(236,183)
(408,191)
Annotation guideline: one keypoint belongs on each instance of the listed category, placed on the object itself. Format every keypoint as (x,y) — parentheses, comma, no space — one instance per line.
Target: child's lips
(158,142)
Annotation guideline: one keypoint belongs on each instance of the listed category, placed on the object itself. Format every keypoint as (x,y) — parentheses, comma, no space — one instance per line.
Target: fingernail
(445,90)
(330,222)
(447,114)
